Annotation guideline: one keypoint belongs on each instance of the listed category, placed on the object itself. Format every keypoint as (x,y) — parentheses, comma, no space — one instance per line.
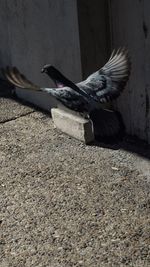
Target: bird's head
(58,78)
(49,69)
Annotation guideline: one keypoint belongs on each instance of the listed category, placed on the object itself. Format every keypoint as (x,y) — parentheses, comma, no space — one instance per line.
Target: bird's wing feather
(118,66)
(108,82)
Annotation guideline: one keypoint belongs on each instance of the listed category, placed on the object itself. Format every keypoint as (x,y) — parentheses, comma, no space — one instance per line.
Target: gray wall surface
(37,32)
(130,25)
(94,31)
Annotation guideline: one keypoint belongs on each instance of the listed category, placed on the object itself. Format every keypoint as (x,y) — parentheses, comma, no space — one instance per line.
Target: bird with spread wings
(100,87)
(87,96)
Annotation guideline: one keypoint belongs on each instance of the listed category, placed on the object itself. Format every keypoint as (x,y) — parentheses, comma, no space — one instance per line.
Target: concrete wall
(130,26)
(64,33)
(94,31)
(37,32)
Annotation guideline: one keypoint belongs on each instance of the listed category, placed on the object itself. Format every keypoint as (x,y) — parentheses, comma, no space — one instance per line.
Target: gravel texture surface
(11,110)
(66,204)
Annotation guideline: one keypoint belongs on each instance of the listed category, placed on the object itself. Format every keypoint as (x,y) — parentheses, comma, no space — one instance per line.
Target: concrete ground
(66,204)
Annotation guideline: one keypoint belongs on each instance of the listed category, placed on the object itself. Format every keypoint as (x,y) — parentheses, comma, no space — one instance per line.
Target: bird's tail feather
(16,78)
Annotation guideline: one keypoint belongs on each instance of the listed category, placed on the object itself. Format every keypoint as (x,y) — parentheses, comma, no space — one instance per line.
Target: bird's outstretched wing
(108,82)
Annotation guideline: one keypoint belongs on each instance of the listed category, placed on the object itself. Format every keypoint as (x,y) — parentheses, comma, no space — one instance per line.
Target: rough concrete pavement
(67,204)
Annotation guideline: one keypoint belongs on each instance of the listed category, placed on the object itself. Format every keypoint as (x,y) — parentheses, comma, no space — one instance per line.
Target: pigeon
(61,81)
(74,99)
(87,96)
(103,85)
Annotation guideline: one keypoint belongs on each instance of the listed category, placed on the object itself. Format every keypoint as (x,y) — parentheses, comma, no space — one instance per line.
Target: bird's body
(70,99)
(65,95)
(103,85)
